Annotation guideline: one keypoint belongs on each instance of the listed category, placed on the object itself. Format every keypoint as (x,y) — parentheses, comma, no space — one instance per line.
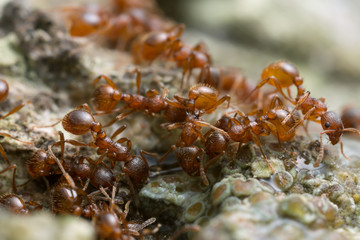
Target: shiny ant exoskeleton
(281,75)
(106,98)
(189,156)
(331,123)
(227,80)
(202,99)
(154,44)
(81,121)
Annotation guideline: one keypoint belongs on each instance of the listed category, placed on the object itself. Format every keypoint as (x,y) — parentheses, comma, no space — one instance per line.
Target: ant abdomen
(102,176)
(216,144)
(138,170)
(13,203)
(106,98)
(189,159)
(40,164)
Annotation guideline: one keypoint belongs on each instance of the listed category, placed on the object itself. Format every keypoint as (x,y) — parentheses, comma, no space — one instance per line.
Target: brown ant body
(106,98)
(189,156)
(201,99)
(13,203)
(332,125)
(350,117)
(281,75)
(227,80)
(151,45)
(81,121)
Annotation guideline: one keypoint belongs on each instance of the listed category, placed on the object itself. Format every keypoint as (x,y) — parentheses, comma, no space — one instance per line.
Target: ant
(281,75)
(81,121)
(189,156)
(151,45)
(331,123)
(189,57)
(350,117)
(107,96)
(201,99)
(228,80)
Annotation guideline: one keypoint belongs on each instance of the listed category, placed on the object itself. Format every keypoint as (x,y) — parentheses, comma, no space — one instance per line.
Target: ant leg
(164,93)
(62,146)
(202,171)
(275,101)
(13,166)
(289,92)
(220,101)
(138,81)
(124,139)
(100,159)
(256,140)
(9,136)
(107,79)
(142,154)
(116,110)
(213,160)
(48,126)
(205,124)
(3,154)
(277,85)
(117,132)
(172,126)
(173,148)
(123,115)
(68,178)
(186,228)
(342,151)
(321,152)
(306,116)
(298,104)
(85,107)
(15,109)
(76,143)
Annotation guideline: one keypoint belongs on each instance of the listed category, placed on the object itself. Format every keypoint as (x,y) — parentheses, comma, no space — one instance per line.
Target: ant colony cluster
(102,188)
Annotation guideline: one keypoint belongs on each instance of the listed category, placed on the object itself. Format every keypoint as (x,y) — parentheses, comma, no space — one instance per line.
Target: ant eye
(198,158)
(327,124)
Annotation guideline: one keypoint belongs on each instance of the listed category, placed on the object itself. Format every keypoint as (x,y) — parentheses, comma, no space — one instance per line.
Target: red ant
(151,45)
(281,75)
(189,156)
(350,117)
(106,98)
(229,80)
(202,99)
(81,121)
(188,57)
(314,108)
(16,204)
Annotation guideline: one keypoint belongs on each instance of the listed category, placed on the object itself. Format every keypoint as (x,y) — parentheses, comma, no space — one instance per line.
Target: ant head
(332,122)
(4,90)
